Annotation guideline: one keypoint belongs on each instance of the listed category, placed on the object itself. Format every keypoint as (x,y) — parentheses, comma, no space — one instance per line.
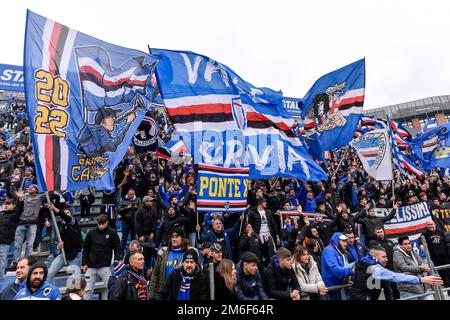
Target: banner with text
(222,189)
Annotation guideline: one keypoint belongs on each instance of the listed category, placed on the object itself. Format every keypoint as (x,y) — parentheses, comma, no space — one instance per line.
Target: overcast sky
(279,44)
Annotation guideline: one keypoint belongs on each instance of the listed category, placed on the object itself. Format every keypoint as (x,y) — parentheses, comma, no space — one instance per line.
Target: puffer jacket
(308,281)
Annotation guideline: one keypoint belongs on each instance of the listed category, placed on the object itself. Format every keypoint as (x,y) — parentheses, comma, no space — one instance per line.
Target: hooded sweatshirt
(335,266)
(46,291)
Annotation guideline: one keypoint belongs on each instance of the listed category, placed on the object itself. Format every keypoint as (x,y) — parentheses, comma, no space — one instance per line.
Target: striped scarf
(141,285)
(185,289)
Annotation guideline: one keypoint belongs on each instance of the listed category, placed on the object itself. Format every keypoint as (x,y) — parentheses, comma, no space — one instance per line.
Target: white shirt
(264,231)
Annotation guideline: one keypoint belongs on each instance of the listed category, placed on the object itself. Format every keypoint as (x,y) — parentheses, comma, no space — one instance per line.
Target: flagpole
(55,225)
(340,163)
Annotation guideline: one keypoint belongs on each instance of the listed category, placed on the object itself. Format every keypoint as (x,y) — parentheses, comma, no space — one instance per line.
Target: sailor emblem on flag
(239,113)
(372,146)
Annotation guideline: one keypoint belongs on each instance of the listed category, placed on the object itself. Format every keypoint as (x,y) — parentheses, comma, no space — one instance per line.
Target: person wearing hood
(370,271)
(187,282)
(308,275)
(279,278)
(336,270)
(37,287)
(131,284)
(249,285)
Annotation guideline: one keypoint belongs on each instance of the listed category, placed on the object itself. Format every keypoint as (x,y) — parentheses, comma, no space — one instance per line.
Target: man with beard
(37,288)
(169,224)
(131,285)
(187,282)
(336,270)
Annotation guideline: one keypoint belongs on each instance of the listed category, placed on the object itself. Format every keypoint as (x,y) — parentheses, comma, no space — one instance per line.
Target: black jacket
(125,287)
(252,244)
(71,236)
(436,245)
(254,219)
(279,283)
(222,293)
(199,285)
(9,220)
(99,246)
(370,223)
(145,221)
(169,225)
(389,246)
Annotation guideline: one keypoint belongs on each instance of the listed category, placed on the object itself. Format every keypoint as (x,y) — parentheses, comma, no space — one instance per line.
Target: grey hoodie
(408,264)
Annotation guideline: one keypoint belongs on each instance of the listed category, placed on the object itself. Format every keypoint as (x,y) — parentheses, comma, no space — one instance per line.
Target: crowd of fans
(150,243)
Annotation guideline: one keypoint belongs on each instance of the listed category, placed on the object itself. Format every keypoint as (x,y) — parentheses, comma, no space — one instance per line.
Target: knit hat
(117,268)
(191,254)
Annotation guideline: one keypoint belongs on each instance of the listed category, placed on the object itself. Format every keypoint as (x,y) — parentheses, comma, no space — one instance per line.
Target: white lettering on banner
(207,158)
(290,104)
(260,163)
(295,157)
(210,68)
(8,75)
(233,155)
(213,66)
(405,214)
(192,71)
(281,160)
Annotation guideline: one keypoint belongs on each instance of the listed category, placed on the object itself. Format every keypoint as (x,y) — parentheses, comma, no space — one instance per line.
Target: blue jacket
(356,251)
(46,292)
(166,195)
(308,205)
(249,287)
(11,289)
(335,266)
(227,234)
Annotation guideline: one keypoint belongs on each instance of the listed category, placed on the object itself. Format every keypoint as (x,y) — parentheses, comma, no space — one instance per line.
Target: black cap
(191,254)
(104,113)
(206,245)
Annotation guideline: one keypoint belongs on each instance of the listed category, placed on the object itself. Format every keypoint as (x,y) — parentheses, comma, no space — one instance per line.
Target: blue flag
(226,121)
(432,148)
(334,104)
(85,99)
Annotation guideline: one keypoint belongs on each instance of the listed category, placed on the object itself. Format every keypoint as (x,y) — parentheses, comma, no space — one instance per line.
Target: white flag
(374,151)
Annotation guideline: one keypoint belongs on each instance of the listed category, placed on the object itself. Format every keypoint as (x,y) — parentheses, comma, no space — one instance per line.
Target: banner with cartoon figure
(334,104)
(85,99)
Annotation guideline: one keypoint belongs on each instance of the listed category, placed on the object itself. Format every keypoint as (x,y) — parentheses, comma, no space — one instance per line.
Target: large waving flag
(432,148)
(85,99)
(374,151)
(400,160)
(333,106)
(226,121)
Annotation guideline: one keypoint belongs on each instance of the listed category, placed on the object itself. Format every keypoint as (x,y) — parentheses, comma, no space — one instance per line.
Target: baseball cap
(343,237)
(216,248)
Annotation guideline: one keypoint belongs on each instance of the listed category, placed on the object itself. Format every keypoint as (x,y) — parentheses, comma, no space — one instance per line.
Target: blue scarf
(185,289)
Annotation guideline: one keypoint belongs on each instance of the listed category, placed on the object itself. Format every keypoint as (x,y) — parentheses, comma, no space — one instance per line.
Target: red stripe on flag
(200,109)
(232,204)
(406,229)
(100,78)
(52,47)
(235,170)
(49,174)
(254,116)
